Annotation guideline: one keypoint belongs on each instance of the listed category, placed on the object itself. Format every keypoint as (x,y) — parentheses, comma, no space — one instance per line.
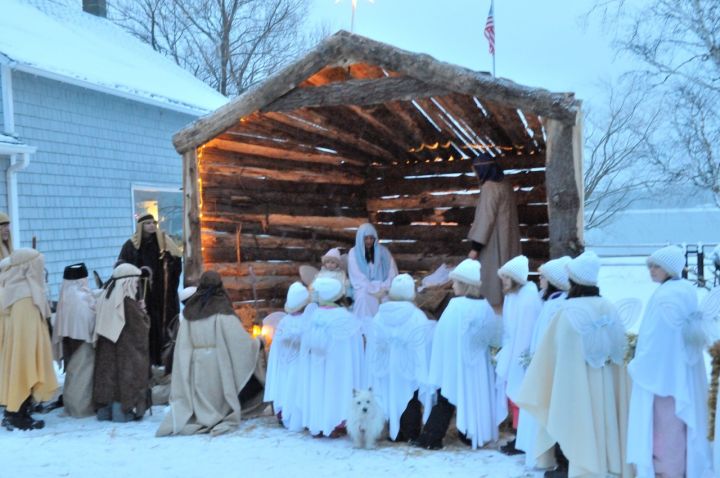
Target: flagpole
(492,7)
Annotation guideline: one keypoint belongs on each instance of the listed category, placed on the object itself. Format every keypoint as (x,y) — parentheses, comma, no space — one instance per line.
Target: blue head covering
(381,255)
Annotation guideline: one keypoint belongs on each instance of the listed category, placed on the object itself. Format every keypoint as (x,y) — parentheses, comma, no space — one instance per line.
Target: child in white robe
(331,363)
(333,266)
(398,362)
(460,367)
(283,373)
(668,408)
(520,310)
(554,285)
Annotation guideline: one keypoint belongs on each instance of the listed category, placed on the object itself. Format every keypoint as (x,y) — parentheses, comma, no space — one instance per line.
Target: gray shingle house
(86,120)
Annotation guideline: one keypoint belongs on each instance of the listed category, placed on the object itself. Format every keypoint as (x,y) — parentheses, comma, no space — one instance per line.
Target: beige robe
(582,408)
(214,359)
(25,351)
(496,227)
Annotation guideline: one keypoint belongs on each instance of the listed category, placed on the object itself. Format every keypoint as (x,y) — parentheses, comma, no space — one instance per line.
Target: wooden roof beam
(355,92)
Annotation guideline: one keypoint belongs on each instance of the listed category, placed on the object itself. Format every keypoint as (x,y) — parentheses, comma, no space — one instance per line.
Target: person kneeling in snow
(668,411)
(218,368)
(460,367)
(122,355)
(26,370)
(331,362)
(398,362)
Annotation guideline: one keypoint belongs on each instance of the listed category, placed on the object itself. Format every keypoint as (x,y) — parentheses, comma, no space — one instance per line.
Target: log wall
(263,219)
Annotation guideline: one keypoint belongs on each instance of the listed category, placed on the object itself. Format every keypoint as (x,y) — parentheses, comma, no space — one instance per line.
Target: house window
(165,203)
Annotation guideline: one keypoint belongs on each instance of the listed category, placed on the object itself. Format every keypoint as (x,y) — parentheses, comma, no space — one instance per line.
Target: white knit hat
(584,268)
(555,273)
(468,271)
(297,297)
(328,289)
(517,269)
(402,288)
(333,255)
(186,293)
(671,259)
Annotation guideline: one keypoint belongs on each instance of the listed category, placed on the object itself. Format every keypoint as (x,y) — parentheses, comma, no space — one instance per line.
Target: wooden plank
(229,205)
(295,129)
(449,167)
(192,245)
(259,268)
(244,198)
(355,92)
(243,186)
(352,120)
(465,182)
(310,118)
(213,156)
(275,152)
(287,220)
(294,175)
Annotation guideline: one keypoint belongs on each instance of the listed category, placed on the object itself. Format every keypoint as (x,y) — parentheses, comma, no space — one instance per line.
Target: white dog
(366,422)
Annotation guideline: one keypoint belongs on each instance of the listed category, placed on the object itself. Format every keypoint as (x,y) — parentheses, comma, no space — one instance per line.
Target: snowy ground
(88,448)
(69,447)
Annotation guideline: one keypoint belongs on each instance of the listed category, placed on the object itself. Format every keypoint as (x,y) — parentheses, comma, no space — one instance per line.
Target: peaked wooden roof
(396,75)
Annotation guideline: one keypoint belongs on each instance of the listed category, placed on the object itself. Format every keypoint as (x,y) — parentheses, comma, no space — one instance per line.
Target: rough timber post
(564,181)
(192,240)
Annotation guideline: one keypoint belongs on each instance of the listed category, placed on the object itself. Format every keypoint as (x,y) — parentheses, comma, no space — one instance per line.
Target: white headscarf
(111,304)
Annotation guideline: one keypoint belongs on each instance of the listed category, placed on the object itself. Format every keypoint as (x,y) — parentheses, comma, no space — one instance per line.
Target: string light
(473,146)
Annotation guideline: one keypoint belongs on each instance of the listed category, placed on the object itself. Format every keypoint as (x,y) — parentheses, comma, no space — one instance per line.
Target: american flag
(490,30)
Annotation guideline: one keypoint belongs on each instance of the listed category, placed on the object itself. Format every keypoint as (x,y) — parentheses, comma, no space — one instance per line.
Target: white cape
(331,366)
(520,311)
(397,352)
(460,366)
(527,425)
(282,383)
(665,365)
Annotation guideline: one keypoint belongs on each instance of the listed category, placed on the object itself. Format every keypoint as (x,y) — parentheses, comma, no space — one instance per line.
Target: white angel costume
(397,351)
(460,366)
(283,375)
(669,363)
(527,425)
(577,388)
(331,362)
(520,310)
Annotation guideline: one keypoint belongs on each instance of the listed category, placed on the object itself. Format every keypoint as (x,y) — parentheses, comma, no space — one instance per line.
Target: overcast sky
(546,44)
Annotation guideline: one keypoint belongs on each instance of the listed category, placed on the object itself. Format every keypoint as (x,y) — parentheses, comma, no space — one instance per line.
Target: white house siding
(75,196)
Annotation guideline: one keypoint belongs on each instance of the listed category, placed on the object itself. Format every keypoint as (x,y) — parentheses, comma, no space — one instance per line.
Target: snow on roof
(55,38)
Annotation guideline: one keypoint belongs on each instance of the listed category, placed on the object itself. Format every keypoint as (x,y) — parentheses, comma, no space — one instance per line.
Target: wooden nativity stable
(360,131)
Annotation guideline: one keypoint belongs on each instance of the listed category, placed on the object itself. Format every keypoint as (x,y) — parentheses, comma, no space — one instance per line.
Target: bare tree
(230,44)
(618,145)
(678,45)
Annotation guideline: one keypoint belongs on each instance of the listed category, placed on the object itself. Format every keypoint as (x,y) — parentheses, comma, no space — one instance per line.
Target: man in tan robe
(495,233)
(577,386)
(26,370)
(218,368)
